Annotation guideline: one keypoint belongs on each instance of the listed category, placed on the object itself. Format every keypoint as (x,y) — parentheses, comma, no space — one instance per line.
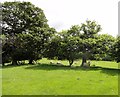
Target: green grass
(46,79)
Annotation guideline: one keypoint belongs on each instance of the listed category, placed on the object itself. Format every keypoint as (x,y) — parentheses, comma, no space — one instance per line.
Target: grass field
(45,79)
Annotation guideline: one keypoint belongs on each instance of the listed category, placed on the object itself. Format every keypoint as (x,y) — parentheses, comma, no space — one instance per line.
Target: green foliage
(27,36)
(26,30)
(64,46)
(27,47)
(115,51)
(52,47)
(74,43)
(69,49)
(102,48)
(90,29)
(21,17)
(7,45)
(75,30)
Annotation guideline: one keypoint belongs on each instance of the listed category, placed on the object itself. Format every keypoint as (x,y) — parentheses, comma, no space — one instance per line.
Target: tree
(6,49)
(26,29)
(87,49)
(69,49)
(62,46)
(25,47)
(90,29)
(76,42)
(52,47)
(87,32)
(116,50)
(102,48)
(75,31)
(21,17)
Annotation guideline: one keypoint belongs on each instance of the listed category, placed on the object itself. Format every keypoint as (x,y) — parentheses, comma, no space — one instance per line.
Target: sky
(62,14)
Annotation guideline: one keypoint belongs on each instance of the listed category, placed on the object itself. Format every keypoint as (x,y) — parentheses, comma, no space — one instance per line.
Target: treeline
(27,36)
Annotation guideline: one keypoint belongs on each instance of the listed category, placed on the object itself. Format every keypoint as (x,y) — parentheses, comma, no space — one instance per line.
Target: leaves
(90,28)
(116,50)
(19,17)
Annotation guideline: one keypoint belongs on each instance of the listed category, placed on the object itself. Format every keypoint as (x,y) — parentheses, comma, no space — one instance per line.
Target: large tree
(89,30)
(26,30)
(69,48)
(20,17)
(63,46)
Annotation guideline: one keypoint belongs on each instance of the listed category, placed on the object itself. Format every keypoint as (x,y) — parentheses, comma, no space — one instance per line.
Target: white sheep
(87,64)
(59,63)
(51,62)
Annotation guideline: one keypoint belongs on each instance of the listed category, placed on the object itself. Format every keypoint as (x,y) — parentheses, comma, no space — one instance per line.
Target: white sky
(61,14)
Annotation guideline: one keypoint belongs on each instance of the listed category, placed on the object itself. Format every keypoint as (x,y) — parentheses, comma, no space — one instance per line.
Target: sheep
(59,63)
(51,62)
(34,62)
(87,64)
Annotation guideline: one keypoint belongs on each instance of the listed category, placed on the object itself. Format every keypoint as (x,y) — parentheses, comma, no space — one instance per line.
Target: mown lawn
(46,79)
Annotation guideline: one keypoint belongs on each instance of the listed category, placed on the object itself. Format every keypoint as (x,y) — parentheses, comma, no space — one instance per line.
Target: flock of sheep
(60,64)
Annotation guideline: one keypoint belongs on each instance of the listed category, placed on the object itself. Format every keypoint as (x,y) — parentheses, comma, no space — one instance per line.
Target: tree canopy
(22,17)
(116,50)
(76,42)
(26,31)
(27,36)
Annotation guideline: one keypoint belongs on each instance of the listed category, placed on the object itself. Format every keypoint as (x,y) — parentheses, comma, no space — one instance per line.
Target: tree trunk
(70,62)
(3,64)
(84,60)
(31,61)
(14,62)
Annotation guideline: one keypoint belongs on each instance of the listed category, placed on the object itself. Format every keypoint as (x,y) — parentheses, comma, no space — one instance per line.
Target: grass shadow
(109,71)
(12,66)
(54,67)
(48,67)
(41,66)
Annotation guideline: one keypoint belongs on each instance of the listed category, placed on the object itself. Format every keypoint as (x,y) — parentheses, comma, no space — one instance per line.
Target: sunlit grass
(46,79)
